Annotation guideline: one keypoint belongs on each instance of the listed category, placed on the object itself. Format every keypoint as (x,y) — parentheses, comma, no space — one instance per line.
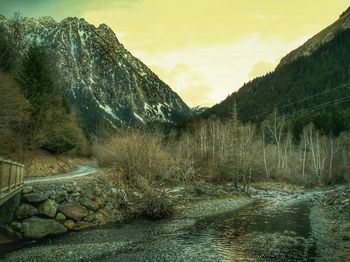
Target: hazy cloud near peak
(190,85)
(261,68)
(197,95)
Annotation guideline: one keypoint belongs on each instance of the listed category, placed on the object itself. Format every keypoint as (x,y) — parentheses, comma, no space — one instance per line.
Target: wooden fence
(11,179)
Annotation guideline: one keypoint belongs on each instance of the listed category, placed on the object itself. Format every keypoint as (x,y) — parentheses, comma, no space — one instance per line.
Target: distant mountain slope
(319,39)
(198,110)
(103,80)
(303,84)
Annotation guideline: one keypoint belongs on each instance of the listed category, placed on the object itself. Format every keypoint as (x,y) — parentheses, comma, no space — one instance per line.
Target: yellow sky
(206,49)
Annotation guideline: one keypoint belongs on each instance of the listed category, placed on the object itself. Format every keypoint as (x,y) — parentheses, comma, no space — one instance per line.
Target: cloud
(173,24)
(197,95)
(224,68)
(190,85)
(261,68)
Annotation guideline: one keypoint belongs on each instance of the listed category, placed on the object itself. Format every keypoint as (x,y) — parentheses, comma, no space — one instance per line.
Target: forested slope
(311,88)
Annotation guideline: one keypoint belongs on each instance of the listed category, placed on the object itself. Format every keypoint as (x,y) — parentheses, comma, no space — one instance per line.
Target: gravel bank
(330,221)
(213,207)
(77,252)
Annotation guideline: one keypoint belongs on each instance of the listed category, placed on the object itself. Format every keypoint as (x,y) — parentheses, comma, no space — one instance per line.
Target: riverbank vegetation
(216,151)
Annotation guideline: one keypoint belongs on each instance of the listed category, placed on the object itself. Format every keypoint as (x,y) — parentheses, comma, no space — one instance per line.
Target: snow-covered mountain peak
(104,81)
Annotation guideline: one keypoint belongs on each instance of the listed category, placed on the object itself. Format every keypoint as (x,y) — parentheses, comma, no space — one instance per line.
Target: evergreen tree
(54,127)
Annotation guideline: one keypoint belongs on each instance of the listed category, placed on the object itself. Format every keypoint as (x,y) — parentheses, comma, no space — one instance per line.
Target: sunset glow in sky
(204,49)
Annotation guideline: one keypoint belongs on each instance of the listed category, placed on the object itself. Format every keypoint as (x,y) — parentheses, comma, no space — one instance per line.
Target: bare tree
(275,126)
(245,141)
(318,154)
(267,170)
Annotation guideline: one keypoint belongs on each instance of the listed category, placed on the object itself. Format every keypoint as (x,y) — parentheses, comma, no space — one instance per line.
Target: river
(265,230)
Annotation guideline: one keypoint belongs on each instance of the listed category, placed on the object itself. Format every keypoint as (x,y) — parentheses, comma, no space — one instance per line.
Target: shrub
(136,154)
(155,206)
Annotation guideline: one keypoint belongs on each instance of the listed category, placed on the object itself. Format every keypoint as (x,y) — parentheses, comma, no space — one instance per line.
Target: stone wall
(52,208)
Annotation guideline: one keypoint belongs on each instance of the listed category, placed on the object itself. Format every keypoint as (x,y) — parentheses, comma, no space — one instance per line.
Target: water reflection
(255,233)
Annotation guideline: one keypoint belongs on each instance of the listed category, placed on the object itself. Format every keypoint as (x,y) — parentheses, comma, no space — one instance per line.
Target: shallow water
(263,231)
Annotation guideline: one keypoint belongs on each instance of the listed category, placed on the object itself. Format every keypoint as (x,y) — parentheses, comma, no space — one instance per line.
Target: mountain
(198,110)
(311,84)
(319,39)
(103,81)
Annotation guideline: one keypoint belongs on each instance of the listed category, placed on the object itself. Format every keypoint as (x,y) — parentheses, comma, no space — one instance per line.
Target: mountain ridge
(319,39)
(103,80)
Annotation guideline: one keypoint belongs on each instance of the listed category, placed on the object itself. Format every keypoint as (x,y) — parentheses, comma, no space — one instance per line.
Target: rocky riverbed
(102,242)
(306,225)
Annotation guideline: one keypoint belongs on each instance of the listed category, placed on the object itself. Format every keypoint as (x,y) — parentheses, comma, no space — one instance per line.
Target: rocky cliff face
(103,80)
(323,37)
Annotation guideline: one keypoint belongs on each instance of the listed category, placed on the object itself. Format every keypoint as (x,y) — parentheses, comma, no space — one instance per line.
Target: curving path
(84,169)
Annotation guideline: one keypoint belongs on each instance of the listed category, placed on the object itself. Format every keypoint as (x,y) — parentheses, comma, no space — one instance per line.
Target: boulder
(60,217)
(25,211)
(73,210)
(69,224)
(37,197)
(89,204)
(16,226)
(48,208)
(27,189)
(36,228)
(90,217)
(61,196)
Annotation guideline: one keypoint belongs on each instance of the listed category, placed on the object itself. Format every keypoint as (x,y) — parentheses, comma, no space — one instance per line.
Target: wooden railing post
(1,174)
(14,180)
(4,176)
(8,173)
(17,178)
(22,173)
(10,176)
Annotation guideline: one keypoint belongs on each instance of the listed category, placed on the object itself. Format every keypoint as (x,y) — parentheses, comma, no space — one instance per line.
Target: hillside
(319,39)
(103,81)
(304,88)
